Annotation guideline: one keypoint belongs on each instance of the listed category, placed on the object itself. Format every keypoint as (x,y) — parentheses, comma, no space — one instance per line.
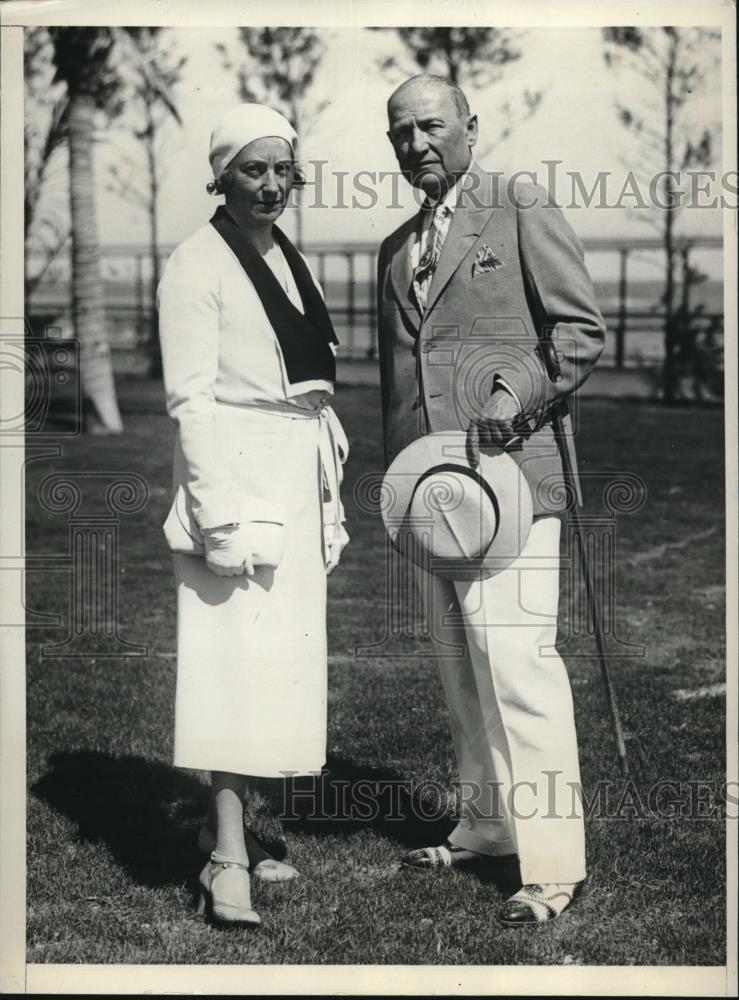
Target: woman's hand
(335,549)
(228,550)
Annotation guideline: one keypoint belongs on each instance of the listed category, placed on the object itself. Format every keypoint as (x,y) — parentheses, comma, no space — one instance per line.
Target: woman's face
(262,177)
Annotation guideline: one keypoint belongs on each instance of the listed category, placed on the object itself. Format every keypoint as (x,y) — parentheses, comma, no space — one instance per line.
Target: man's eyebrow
(419,119)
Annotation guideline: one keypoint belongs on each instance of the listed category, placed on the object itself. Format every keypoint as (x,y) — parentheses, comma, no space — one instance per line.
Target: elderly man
(466,290)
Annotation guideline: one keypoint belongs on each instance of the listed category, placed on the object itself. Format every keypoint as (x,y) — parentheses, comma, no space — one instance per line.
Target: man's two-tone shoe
(446,855)
(538,904)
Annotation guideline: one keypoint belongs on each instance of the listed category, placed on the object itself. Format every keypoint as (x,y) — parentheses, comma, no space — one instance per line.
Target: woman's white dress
(251,651)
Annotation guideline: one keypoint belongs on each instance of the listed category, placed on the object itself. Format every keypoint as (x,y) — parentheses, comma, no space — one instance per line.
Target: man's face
(431,139)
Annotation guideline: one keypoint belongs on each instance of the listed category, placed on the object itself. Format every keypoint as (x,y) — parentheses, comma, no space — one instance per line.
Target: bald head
(430,81)
(432,132)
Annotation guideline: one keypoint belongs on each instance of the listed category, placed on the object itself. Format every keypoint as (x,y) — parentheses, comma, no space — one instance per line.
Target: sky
(575,123)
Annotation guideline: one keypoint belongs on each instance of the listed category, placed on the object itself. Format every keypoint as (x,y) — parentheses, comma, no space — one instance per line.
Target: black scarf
(305,340)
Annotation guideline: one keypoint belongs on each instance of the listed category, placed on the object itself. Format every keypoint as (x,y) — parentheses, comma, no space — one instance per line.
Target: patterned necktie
(423,274)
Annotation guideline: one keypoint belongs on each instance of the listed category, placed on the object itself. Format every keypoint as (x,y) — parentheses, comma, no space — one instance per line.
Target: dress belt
(333,450)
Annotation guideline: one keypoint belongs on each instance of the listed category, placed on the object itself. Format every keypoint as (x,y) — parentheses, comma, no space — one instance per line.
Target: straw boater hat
(457,521)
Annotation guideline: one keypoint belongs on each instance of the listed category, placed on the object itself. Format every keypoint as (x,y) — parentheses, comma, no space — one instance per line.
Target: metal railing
(347,273)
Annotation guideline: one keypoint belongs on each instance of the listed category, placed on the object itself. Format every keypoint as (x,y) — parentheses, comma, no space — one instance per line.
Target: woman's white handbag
(264,520)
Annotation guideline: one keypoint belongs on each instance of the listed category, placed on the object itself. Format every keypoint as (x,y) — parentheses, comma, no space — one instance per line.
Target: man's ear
(471,129)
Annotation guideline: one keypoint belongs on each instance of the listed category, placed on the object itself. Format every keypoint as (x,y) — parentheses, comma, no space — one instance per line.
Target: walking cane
(559,411)
(548,354)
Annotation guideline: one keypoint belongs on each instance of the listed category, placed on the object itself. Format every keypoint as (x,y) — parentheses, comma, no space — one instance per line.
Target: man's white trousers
(510,709)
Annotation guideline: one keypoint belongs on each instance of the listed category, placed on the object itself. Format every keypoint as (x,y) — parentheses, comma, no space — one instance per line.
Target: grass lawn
(112,860)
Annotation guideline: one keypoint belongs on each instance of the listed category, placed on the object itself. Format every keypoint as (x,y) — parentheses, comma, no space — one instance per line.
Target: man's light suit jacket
(510,265)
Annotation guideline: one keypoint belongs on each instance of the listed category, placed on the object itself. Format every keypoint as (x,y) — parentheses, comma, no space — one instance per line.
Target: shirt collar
(451,197)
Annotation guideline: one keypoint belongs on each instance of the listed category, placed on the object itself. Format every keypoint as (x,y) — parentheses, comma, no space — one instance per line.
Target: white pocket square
(485,260)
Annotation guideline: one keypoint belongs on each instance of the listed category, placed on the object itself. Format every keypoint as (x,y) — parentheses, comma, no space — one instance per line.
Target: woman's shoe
(225,893)
(537,904)
(272,870)
(267,870)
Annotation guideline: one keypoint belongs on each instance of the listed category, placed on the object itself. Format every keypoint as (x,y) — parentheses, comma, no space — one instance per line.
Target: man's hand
(228,550)
(498,426)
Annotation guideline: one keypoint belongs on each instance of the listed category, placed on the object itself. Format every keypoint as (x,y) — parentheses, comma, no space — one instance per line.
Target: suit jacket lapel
(469,219)
(401,273)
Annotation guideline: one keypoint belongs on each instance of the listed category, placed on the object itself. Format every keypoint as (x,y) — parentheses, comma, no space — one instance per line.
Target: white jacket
(218,347)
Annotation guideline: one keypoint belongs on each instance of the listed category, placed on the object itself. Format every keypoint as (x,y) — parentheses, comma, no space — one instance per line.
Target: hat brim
(496,493)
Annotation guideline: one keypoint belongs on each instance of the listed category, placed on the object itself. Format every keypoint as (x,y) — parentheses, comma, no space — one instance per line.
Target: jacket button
(427,347)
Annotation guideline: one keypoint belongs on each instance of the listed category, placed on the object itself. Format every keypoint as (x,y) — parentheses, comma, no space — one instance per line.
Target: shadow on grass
(348,797)
(148,814)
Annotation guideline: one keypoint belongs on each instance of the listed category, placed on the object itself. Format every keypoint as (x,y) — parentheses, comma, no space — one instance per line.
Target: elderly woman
(249,367)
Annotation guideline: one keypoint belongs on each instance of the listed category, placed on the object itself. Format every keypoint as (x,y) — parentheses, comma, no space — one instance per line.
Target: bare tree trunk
(669,329)
(297,125)
(155,350)
(299,221)
(669,375)
(100,406)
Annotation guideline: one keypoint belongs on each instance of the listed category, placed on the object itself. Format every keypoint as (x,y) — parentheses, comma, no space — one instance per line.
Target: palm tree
(82,60)
(44,136)
(156,71)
